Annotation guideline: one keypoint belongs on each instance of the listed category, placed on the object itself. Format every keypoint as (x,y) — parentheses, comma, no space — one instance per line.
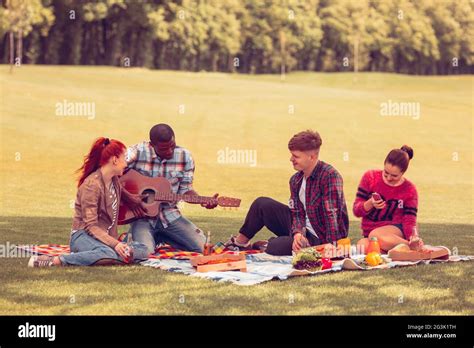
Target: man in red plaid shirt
(316,213)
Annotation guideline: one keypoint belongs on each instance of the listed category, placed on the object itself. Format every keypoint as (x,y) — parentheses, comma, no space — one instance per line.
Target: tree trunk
(19,47)
(282,54)
(230,63)
(356,53)
(12,53)
(214,62)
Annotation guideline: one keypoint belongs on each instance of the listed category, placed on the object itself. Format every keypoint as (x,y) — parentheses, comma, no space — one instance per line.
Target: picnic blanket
(165,251)
(45,249)
(162,251)
(261,267)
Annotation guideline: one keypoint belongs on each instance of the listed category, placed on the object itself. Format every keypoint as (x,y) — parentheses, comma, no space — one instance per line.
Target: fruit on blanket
(373,259)
(327,263)
(374,246)
(308,259)
(320,248)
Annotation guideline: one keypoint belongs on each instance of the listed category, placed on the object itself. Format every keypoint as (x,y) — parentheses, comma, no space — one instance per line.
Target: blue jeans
(180,234)
(86,250)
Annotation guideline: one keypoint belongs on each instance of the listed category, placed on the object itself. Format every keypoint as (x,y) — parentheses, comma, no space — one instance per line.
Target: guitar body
(157,191)
(136,183)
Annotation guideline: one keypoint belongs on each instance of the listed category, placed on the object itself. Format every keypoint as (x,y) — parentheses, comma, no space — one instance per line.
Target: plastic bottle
(374,246)
(208,245)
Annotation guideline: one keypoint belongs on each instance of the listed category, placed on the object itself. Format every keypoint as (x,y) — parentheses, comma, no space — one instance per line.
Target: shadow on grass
(434,289)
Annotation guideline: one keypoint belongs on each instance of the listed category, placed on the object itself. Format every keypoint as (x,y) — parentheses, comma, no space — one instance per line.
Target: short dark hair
(305,141)
(161,133)
(400,157)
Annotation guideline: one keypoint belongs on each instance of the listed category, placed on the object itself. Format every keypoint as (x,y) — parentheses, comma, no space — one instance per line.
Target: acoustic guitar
(157,191)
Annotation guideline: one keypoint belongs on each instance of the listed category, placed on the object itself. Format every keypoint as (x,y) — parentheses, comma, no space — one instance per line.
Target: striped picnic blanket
(163,251)
(45,249)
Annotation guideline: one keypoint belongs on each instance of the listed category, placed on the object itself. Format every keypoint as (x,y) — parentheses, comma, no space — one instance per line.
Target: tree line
(248,36)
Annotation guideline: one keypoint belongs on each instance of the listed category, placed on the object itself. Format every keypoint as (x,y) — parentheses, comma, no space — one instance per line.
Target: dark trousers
(266,212)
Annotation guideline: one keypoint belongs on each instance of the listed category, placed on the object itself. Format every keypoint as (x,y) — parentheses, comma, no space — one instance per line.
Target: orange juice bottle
(344,246)
(344,242)
(208,245)
(374,246)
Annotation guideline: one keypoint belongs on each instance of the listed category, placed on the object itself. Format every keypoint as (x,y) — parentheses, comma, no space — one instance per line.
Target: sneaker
(40,261)
(233,245)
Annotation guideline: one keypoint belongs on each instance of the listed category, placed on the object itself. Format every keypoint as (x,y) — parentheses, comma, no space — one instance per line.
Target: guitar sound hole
(150,196)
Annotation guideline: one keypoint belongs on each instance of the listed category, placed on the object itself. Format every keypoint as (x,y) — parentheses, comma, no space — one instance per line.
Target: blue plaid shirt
(179,170)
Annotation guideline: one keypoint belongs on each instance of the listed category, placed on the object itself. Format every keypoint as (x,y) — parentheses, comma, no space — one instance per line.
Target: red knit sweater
(401,204)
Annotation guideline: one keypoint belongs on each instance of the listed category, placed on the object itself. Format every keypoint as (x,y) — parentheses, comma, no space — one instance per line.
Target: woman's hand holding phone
(377,201)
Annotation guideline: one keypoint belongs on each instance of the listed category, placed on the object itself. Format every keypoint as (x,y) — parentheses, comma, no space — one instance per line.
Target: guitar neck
(174,197)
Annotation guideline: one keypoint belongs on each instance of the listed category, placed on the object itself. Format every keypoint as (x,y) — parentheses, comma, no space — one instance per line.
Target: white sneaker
(40,261)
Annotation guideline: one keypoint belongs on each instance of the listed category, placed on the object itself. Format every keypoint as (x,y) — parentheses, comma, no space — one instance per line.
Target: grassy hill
(259,113)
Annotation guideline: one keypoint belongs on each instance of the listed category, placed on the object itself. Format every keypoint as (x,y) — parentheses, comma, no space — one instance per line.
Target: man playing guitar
(161,157)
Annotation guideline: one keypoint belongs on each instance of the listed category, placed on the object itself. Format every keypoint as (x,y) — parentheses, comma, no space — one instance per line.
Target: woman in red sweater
(387,202)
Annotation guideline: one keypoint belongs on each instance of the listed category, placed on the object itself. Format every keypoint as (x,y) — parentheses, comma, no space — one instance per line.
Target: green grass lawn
(40,151)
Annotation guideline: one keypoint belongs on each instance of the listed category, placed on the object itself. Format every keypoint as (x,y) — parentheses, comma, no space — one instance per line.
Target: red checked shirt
(179,170)
(401,204)
(325,203)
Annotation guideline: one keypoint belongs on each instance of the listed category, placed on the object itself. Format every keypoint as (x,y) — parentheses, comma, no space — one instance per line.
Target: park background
(236,75)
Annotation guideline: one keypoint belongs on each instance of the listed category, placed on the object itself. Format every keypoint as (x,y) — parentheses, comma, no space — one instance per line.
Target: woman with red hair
(94,238)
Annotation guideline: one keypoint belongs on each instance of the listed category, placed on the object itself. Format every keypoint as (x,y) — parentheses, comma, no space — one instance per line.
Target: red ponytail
(102,150)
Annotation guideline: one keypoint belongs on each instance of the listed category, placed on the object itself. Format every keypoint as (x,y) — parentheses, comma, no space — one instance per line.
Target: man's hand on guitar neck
(210,205)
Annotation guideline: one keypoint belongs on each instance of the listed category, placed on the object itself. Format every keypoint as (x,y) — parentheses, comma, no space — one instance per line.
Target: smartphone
(376,196)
